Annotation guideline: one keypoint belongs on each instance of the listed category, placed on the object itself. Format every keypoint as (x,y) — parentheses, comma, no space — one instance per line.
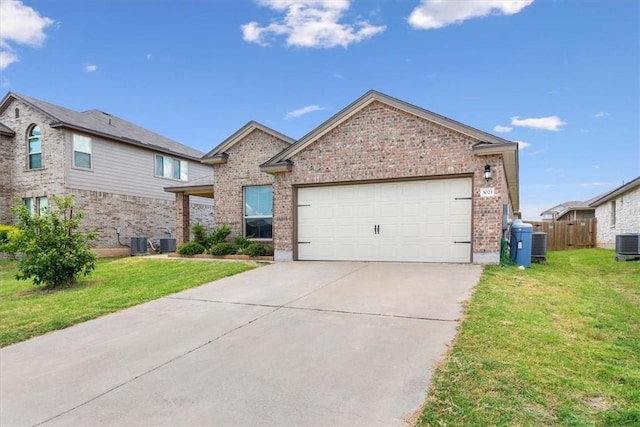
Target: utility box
(539,247)
(138,246)
(167,244)
(520,243)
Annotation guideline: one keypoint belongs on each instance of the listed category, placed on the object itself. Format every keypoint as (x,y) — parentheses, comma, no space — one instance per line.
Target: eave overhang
(509,153)
(280,167)
(217,159)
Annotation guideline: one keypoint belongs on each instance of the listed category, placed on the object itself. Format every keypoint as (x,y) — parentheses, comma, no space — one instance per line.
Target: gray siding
(125,169)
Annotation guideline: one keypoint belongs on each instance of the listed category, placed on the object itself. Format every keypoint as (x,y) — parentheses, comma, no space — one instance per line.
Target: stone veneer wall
(381,142)
(134,215)
(6,162)
(241,170)
(627,218)
(22,182)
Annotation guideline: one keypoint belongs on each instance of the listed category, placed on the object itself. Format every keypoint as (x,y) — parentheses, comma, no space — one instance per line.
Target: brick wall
(50,179)
(627,218)
(134,215)
(240,170)
(382,142)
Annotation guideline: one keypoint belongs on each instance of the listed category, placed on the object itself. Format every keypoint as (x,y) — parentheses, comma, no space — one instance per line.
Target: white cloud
(596,166)
(148,56)
(522,145)
(547,123)
(90,68)
(302,111)
(21,25)
(7,58)
(431,14)
(601,114)
(310,23)
(502,129)
(595,184)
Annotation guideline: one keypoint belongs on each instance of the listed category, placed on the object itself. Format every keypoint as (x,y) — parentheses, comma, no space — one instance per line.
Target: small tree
(52,251)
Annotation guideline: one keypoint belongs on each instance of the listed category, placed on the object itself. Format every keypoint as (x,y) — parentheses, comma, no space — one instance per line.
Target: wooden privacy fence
(561,235)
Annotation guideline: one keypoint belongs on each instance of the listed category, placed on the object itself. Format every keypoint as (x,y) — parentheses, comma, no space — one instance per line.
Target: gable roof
(487,144)
(219,153)
(603,198)
(6,130)
(98,123)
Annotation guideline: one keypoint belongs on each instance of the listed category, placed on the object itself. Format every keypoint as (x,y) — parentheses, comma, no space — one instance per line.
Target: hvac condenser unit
(138,246)
(167,244)
(627,246)
(539,247)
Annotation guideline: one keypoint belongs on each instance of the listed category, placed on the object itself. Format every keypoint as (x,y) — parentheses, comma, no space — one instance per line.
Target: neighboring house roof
(6,130)
(202,187)
(487,144)
(219,153)
(603,198)
(105,125)
(565,207)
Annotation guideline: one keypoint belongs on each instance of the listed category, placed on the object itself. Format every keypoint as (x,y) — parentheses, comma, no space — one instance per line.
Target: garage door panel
(418,221)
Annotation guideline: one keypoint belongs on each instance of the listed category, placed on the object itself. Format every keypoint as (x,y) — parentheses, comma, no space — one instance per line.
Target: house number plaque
(487,192)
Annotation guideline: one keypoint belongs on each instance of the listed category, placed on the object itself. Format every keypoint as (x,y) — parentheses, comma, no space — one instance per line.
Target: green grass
(557,344)
(27,311)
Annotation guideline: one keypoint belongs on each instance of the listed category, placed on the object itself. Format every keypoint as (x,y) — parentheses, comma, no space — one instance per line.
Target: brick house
(618,212)
(116,170)
(382,180)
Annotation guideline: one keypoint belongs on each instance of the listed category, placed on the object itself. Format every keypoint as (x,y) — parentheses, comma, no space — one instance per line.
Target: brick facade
(381,142)
(240,170)
(104,211)
(627,218)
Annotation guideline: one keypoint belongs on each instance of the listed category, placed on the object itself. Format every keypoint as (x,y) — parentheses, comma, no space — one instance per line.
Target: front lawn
(557,344)
(27,311)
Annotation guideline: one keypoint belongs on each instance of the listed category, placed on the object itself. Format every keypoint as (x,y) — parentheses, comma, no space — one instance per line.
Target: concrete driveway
(291,344)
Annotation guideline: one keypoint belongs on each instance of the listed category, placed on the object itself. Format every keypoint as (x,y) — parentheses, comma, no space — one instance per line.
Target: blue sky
(559,76)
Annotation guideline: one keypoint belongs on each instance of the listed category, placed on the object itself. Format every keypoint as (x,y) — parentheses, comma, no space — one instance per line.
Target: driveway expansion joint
(324,310)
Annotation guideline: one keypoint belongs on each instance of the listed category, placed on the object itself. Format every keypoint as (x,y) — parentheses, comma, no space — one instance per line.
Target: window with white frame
(613,213)
(34,147)
(38,205)
(170,167)
(81,151)
(258,212)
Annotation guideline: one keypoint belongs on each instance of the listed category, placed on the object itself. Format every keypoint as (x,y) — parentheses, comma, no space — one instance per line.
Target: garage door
(414,221)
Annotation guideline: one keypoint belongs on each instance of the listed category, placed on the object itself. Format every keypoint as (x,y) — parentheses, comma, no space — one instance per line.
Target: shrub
(199,234)
(224,248)
(6,231)
(52,251)
(255,249)
(219,235)
(241,242)
(191,248)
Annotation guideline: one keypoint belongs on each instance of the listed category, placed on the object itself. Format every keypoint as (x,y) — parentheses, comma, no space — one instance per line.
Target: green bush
(224,248)
(51,250)
(191,248)
(256,249)
(199,234)
(219,235)
(6,231)
(241,242)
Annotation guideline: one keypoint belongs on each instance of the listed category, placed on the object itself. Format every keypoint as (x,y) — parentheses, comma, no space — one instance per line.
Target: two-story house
(117,171)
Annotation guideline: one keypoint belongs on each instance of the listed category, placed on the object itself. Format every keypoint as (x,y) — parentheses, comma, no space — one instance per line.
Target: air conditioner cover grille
(628,244)
(538,244)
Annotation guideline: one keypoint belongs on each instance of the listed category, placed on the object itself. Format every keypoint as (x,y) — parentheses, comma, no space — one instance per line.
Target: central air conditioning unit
(627,246)
(539,247)
(167,244)
(138,246)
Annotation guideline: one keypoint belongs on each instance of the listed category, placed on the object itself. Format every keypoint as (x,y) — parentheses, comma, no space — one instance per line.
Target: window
(168,167)
(36,204)
(258,212)
(35,147)
(81,151)
(613,213)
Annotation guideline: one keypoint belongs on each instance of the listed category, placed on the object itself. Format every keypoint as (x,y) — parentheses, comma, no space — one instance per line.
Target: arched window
(34,147)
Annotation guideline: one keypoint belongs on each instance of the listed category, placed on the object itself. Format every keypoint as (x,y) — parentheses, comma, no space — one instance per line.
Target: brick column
(182,218)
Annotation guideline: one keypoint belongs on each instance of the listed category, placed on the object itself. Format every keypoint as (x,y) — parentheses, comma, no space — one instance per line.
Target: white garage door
(415,221)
